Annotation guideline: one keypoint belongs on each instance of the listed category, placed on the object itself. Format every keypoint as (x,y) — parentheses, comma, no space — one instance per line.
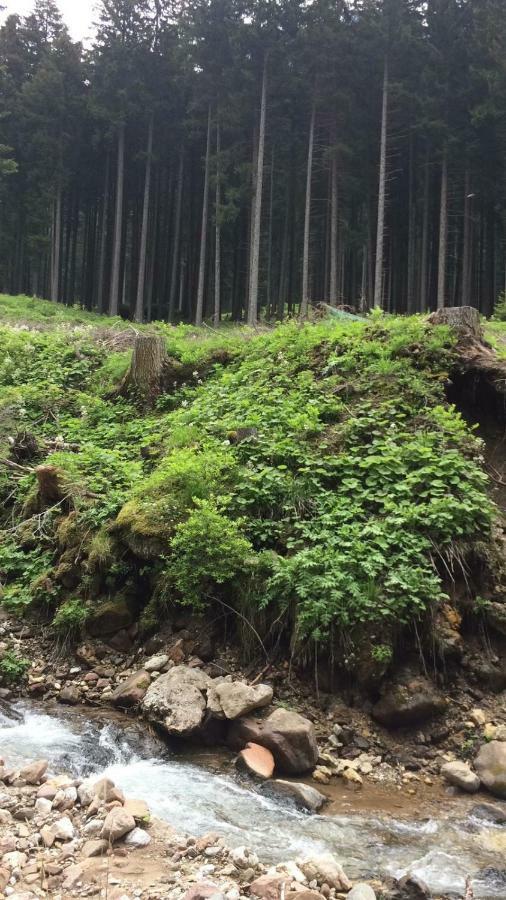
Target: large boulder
(289,736)
(176,701)
(462,776)
(490,765)
(132,691)
(109,617)
(117,824)
(324,869)
(303,795)
(257,760)
(238,699)
(409,703)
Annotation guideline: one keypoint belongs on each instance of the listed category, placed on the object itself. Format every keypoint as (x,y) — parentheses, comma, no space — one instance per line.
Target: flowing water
(194,800)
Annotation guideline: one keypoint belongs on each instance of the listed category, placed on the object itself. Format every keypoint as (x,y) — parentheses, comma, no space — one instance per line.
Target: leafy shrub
(13,667)
(500,308)
(70,619)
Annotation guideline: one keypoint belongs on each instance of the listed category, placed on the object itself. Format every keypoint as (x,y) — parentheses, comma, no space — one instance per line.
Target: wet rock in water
(156,663)
(257,760)
(324,869)
(117,824)
(97,847)
(305,796)
(490,765)
(137,838)
(132,691)
(411,888)
(361,891)
(490,813)
(70,694)
(461,775)
(409,704)
(34,772)
(238,699)
(110,617)
(176,700)
(289,736)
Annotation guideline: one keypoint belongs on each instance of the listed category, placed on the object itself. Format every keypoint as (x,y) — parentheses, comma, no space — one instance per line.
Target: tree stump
(463,319)
(50,491)
(144,378)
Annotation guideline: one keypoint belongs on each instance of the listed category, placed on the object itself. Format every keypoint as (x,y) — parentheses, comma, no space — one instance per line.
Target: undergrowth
(318,484)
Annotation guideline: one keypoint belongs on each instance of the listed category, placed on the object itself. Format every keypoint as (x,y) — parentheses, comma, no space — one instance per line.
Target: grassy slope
(332,522)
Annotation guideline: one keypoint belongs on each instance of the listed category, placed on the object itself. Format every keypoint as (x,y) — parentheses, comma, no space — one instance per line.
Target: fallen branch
(25,470)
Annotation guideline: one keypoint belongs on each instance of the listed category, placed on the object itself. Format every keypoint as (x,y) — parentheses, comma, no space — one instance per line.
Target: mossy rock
(110,617)
(142,530)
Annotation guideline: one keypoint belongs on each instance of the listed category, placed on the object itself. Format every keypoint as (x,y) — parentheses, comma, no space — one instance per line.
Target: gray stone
(156,663)
(490,765)
(176,700)
(289,736)
(409,704)
(238,699)
(490,813)
(361,891)
(462,776)
(303,795)
(117,824)
(132,691)
(324,869)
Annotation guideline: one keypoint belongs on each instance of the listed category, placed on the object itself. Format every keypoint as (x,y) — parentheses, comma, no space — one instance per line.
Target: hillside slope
(311,483)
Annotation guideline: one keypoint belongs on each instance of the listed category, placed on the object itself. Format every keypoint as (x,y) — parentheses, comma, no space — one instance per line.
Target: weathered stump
(144,378)
(50,490)
(463,319)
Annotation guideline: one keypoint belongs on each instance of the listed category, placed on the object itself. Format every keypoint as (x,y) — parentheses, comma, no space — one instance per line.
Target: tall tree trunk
(118,224)
(424,266)
(55,271)
(466,249)
(334,198)
(141,276)
(307,216)
(411,230)
(380,233)
(217,232)
(177,237)
(199,312)
(443,232)
(269,239)
(103,238)
(257,206)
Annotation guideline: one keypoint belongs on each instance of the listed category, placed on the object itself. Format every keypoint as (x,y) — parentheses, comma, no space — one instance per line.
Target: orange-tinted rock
(258,760)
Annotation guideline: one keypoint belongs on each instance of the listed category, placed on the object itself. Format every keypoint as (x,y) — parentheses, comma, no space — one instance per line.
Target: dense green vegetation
(316,482)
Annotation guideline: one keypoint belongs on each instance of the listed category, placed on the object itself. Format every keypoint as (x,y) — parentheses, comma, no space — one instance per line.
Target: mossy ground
(317,482)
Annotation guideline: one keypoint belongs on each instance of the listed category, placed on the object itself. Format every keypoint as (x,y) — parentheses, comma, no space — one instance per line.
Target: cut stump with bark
(145,376)
(463,319)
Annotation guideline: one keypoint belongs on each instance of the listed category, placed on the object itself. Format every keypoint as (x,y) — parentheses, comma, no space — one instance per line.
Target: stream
(195,799)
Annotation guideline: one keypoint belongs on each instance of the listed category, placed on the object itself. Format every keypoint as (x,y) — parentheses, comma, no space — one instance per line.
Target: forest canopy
(218,158)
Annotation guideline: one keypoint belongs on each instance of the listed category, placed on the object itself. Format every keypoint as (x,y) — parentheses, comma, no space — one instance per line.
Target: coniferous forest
(224,158)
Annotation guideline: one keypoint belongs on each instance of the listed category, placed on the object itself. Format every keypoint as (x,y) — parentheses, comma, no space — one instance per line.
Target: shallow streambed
(195,799)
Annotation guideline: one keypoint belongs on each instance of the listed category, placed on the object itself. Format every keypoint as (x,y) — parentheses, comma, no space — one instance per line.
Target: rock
(490,765)
(106,791)
(201,891)
(73,875)
(63,829)
(97,847)
(176,700)
(238,699)
(43,806)
(117,824)
(257,761)
(132,691)
(361,891)
(303,795)
(478,717)
(352,778)
(34,772)
(412,888)
(268,887)
(109,617)
(137,838)
(139,809)
(409,704)
(85,792)
(461,775)
(70,694)
(325,870)
(304,894)
(290,738)
(490,813)
(65,798)
(243,858)
(156,663)
(15,860)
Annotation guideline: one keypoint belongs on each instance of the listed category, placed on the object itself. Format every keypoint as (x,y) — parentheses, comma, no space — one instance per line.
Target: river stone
(176,700)
(268,887)
(109,617)
(137,838)
(139,809)
(238,699)
(490,765)
(461,775)
(289,736)
(106,791)
(117,824)
(97,847)
(303,795)
(256,760)
(201,891)
(132,691)
(70,694)
(409,704)
(63,829)
(361,891)
(324,869)
(490,812)
(34,772)
(304,894)
(156,663)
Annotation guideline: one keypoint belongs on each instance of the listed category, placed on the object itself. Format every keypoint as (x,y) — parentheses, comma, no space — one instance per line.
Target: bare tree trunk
(177,238)
(334,198)
(443,233)
(145,376)
(466,250)
(141,276)
(411,231)
(55,273)
(217,232)
(269,239)
(380,233)
(103,238)
(118,224)
(199,312)
(307,216)
(425,237)
(257,207)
